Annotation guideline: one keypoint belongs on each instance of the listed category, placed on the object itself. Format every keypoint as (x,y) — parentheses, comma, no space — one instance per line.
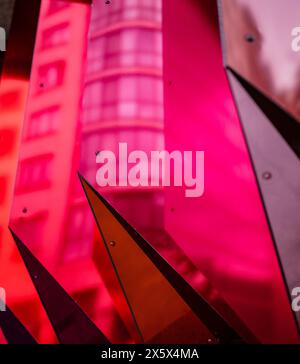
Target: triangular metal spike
(165,307)
(13,330)
(277,170)
(285,123)
(70,323)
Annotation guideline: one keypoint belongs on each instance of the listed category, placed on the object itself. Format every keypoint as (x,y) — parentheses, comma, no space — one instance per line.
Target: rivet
(250,38)
(112,243)
(267,175)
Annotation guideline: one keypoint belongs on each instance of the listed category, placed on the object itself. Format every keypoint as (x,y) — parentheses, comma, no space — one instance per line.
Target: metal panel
(258,45)
(70,323)
(166,309)
(278,175)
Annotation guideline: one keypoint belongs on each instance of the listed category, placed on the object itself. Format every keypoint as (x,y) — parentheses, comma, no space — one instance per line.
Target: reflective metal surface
(165,308)
(70,323)
(258,40)
(278,174)
(111,73)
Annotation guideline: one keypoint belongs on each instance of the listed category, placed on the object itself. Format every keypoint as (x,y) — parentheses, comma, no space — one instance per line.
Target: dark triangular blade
(70,323)
(13,330)
(277,170)
(165,307)
(286,124)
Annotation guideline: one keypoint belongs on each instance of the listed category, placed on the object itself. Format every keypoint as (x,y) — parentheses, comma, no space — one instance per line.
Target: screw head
(250,38)
(267,176)
(112,243)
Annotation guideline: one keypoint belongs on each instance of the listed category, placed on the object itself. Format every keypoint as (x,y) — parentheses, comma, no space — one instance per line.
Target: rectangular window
(93,142)
(79,237)
(125,10)
(34,173)
(57,5)
(43,123)
(92,102)
(95,60)
(51,75)
(3,188)
(55,36)
(32,230)
(123,97)
(126,48)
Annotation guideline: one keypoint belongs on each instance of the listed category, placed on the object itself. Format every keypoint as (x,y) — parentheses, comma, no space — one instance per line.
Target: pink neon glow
(116,74)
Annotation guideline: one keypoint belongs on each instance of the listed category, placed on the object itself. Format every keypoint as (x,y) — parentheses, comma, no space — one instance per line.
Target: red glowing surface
(99,78)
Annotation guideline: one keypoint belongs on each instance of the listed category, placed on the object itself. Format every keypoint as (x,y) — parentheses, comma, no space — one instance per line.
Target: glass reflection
(258,37)
(97,81)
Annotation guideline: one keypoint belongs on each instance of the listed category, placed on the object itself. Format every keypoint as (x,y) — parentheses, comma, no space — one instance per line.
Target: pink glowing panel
(114,75)
(13,96)
(224,232)
(45,214)
(261,42)
(123,102)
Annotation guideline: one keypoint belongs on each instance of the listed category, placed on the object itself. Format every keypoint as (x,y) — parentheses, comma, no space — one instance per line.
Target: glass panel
(112,77)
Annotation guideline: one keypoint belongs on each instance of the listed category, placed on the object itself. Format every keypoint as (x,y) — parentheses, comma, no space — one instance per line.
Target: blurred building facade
(122,101)
(46,160)
(97,81)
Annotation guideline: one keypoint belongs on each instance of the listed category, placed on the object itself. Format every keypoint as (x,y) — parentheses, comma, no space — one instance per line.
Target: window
(92,103)
(31,229)
(43,123)
(34,173)
(126,48)
(55,36)
(3,188)
(124,97)
(7,141)
(57,5)
(95,61)
(51,75)
(79,237)
(10,99)
(141,47)
(104,15)
(146,140)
